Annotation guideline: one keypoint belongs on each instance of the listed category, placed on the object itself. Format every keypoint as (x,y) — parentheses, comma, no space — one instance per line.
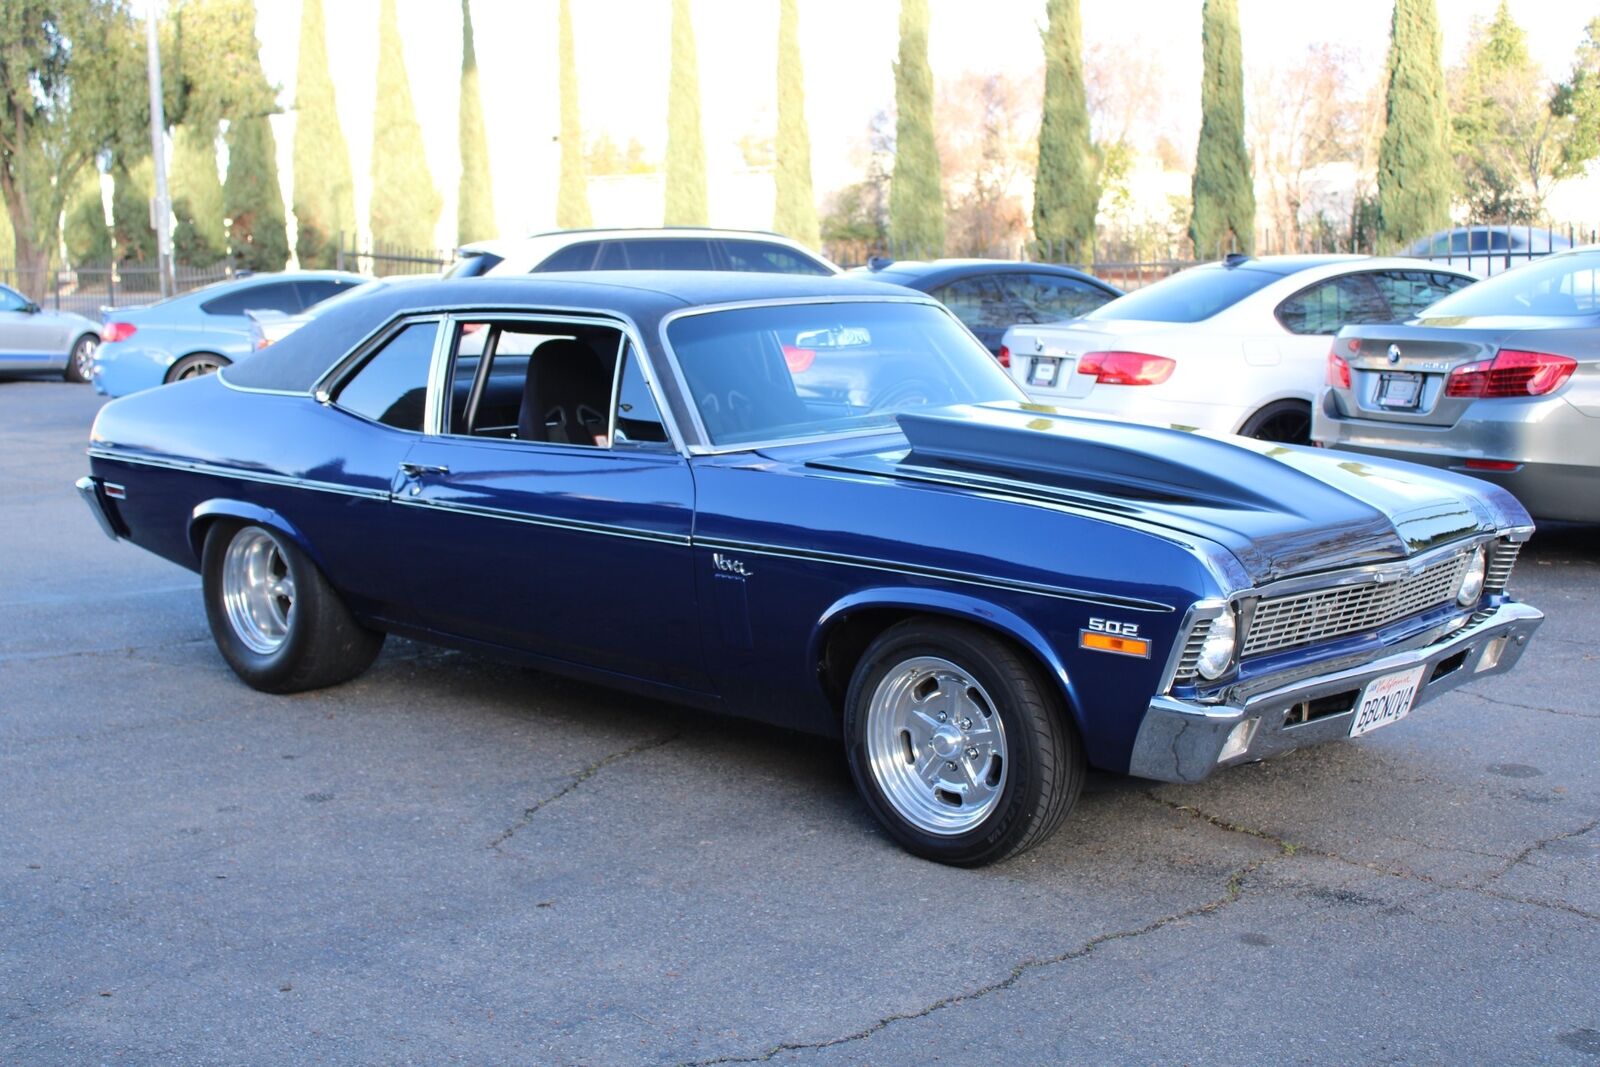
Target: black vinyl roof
(297,362)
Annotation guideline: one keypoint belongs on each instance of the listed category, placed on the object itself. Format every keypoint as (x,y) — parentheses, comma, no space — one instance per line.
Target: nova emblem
(729,565)
(1394,353)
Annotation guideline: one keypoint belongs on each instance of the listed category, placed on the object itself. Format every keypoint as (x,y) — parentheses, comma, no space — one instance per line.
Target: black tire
(196,365)
(1045,764)
(1287,422)
(81,360)
(323,644)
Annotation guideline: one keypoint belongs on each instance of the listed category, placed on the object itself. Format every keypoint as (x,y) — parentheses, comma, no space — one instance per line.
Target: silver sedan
(33,339)
(1500,380)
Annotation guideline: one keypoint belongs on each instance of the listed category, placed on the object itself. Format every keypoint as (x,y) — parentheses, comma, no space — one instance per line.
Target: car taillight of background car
(1510,373)
(1126,368)
(118,331)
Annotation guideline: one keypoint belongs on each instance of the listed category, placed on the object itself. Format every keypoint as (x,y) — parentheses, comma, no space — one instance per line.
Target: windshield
(800,370)
(1188,296)
(1560,287)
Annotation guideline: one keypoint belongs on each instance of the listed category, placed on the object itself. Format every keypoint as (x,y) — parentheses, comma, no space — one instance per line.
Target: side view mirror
(31,308)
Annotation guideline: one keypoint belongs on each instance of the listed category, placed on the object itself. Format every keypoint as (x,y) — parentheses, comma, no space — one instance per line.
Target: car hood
(1281,510)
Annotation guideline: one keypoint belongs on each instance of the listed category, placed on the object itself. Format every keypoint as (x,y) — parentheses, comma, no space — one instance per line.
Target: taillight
(1491,465)
(118,331)
(799,359)
(1126,368)
(1338,371)
(1004,356)
(1510,373)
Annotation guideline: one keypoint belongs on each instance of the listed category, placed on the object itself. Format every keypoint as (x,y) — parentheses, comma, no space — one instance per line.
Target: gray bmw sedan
(1500,380)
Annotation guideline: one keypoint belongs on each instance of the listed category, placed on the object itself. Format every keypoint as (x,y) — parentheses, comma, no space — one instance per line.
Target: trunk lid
(1398,372)
(1044,358)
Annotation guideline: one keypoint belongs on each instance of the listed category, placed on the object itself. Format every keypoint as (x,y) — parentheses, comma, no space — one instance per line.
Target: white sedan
(1239,346)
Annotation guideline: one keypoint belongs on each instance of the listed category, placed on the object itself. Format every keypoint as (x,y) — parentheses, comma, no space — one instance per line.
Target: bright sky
(848,49)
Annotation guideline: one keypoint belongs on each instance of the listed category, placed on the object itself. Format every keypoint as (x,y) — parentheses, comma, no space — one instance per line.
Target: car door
(546,508)
(28,338)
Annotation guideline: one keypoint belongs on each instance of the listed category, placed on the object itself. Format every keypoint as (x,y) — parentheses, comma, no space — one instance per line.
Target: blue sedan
(195,333)
(814,502)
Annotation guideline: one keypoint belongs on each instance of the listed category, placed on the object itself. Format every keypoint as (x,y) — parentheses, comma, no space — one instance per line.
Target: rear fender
(958,606)
(211,511)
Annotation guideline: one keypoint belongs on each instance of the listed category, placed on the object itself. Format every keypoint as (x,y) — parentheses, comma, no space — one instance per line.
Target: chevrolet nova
(816,502)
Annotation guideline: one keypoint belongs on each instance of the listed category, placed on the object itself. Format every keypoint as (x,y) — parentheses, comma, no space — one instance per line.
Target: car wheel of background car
(275,618)
(1285,421)
(197,365)
(80,365)
(958,745)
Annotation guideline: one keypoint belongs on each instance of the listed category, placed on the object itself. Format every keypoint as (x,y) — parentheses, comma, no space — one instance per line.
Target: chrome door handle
(417,470)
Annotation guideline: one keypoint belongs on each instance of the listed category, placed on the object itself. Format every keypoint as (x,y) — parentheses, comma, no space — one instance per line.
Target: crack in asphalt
(577,780)
(1233,890)
(1532,707)
(1482,886)
(128,651)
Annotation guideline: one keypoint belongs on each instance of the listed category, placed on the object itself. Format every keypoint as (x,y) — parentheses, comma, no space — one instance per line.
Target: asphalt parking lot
(454,860)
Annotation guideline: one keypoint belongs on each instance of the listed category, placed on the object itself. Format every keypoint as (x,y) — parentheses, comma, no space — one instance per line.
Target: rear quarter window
(1190,296)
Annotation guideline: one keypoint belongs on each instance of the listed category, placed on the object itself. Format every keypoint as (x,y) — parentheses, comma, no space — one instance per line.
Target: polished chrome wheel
(83,357)
(936,746)
(197,367)
(258,590)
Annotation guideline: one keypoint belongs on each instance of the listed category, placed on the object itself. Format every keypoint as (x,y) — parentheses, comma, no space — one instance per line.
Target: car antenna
(1233,259)
(877,263)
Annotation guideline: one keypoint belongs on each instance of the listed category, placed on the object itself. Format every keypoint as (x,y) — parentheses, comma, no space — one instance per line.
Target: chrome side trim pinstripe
(942,574)
(238,473)
(632,533)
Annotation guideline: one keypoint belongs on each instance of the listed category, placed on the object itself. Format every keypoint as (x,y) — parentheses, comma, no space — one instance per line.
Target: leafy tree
(572,198)
(475,198)
(199,238)
(405,204)
(212,64)
(86,235)
(253,198)
(133,186)
(796,211)
(686,151)
(1066,193)
(71,87)
(1223,194)
(1415,174)
(916,196)
(324,190)
(1577,102)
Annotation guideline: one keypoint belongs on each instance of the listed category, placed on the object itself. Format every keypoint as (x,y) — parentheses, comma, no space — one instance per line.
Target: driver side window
(11,300)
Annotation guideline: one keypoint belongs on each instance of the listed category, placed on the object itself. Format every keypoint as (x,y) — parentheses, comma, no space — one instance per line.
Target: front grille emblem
(1394,353)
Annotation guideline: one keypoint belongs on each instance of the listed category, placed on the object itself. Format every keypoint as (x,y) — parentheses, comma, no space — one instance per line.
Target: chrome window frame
(703,446)
(340,374)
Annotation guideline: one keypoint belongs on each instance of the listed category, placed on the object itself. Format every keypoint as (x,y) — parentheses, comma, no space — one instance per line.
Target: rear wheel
(80,365)
(958,746)
(197,365)
(1285,421)
(275,618)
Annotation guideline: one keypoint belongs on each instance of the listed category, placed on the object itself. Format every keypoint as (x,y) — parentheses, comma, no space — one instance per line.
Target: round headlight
(1216,652)
(1472,579)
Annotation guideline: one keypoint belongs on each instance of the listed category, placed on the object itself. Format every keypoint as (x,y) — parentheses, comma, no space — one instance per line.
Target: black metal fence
(382,260)
(85,290)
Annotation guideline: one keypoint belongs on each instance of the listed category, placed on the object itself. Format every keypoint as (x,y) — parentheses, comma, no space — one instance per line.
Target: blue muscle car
(817,502)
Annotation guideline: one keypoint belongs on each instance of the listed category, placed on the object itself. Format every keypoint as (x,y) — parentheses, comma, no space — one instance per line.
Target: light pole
(161,206)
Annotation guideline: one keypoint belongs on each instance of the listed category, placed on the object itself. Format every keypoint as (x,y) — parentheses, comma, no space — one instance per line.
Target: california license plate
(1400,390)
(1045,369)
(1386,700)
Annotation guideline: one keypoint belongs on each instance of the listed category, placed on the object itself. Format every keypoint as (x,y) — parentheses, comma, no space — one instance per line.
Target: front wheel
(275,618)
(962,751)
(80,364)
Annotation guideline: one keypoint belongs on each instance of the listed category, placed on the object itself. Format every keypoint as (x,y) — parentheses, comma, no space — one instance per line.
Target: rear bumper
(90,490)
(1184,741)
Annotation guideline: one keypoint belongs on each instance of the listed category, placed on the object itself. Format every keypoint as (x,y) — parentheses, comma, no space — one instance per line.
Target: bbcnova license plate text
(1386,700)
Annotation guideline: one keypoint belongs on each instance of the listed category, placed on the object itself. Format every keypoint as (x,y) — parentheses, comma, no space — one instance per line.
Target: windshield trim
(702,446)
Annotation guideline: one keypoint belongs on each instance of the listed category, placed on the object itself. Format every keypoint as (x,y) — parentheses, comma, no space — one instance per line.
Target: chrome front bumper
(90,491)
(1184,741)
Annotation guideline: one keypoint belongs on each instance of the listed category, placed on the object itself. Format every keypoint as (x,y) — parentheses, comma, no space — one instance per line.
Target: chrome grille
(1323,614)
(1502,557)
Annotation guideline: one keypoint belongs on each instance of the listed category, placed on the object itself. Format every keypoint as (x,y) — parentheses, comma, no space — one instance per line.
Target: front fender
(210,511)
(957,606)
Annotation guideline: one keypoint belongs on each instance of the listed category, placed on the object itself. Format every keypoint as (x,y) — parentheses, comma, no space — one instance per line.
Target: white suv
(675,248)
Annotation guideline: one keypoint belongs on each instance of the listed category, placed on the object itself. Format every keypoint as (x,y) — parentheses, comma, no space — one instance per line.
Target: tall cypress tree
(405,204)
(916,195)
(1065,193)
(572,198)
(686,150)
(324,190)
(252,197)
(795,213)
(199,238)
(475,200)
(1415,175)
(1224,193)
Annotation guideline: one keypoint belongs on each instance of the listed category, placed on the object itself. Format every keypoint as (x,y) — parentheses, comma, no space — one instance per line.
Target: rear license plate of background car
(1045,371)
(1386,700)
(1400,390)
